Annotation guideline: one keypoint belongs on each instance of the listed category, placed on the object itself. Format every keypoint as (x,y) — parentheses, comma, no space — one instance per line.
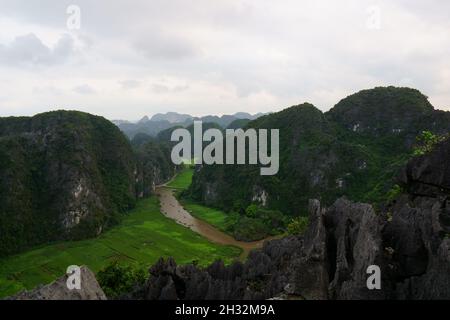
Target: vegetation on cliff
(354,150)
(63,175)
(68,175)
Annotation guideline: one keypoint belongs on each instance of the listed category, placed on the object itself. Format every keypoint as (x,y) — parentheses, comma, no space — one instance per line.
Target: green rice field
(143,237)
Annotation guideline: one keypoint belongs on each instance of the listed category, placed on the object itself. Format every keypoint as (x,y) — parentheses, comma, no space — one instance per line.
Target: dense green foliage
(239,123)
(354,150)
(165,135)
(142,237)
(118,279)
(426,142)
(63,175)
(254,223)
(257,223)
(154,165)
(298,226)
(71,175)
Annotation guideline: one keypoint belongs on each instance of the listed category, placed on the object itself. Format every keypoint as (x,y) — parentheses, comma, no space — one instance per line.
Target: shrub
(251,211)
(250,229)
(118,279)
(426,142)
(298,226)
(394,192)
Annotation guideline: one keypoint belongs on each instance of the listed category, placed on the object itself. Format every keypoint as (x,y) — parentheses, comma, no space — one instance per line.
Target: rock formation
(70,175)
(57,290)
(409,240)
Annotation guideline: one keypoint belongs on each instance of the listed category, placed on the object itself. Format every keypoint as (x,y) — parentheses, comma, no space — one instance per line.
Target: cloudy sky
(139,57)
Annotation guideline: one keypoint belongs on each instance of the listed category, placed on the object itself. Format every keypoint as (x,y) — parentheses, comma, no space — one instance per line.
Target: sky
(127,59)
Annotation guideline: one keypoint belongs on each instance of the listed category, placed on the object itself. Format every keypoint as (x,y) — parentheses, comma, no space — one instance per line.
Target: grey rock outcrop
(409,241)
(58,290)
(354,244)
(311,277)
(420,229)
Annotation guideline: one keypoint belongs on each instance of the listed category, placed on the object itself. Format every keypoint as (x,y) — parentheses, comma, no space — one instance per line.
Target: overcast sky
(139,57)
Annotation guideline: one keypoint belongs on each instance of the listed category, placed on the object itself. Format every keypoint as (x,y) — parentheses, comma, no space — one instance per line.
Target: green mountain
(353,150)
(238,124)
(69,175)
(164,137)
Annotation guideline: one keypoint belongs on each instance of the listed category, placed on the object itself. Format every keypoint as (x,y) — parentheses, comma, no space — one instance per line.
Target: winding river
(172,209)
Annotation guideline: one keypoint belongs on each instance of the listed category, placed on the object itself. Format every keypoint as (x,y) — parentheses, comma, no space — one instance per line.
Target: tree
(251,211)
(117,279)
(426,142)
(298,226)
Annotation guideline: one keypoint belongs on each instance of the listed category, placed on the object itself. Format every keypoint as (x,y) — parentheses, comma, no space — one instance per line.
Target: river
(172,209)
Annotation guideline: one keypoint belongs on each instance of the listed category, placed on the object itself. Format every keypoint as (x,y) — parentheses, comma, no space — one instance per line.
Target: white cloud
(84,89)
(130,84)
(28,50)
(165,47)
(220,56)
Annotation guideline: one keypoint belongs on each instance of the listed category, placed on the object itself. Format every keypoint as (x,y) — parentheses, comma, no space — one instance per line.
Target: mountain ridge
(70,175)
(352,150)
(160,122)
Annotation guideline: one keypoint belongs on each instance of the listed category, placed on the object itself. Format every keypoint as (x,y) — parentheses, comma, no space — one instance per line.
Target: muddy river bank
(172,209)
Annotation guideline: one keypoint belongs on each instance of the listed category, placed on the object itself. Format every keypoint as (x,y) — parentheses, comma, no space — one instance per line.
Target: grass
(182,180)
(143,237)
(215,217)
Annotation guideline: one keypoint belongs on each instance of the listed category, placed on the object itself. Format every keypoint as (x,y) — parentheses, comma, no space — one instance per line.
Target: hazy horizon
(126,60)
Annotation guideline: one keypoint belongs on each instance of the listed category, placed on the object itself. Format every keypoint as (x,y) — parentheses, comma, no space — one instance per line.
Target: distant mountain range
(162,121)
(172,117)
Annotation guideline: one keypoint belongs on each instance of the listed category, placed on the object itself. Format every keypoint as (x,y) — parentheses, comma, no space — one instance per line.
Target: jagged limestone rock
(58,290)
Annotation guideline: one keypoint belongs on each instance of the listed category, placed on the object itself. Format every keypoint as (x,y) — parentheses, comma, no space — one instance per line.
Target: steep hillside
(164,136)
(62,175)
(390,111)
(354,150)
(154,165)
(70,175)
(409,241)
(239,123)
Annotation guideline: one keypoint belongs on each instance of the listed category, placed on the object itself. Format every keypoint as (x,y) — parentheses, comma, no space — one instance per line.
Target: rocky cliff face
(70,175)
(62,175)
(409,240)
(154,166)
(419,232)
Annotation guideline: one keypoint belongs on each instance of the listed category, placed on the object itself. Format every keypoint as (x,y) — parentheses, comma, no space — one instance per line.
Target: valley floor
(214,217)
(143,237)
